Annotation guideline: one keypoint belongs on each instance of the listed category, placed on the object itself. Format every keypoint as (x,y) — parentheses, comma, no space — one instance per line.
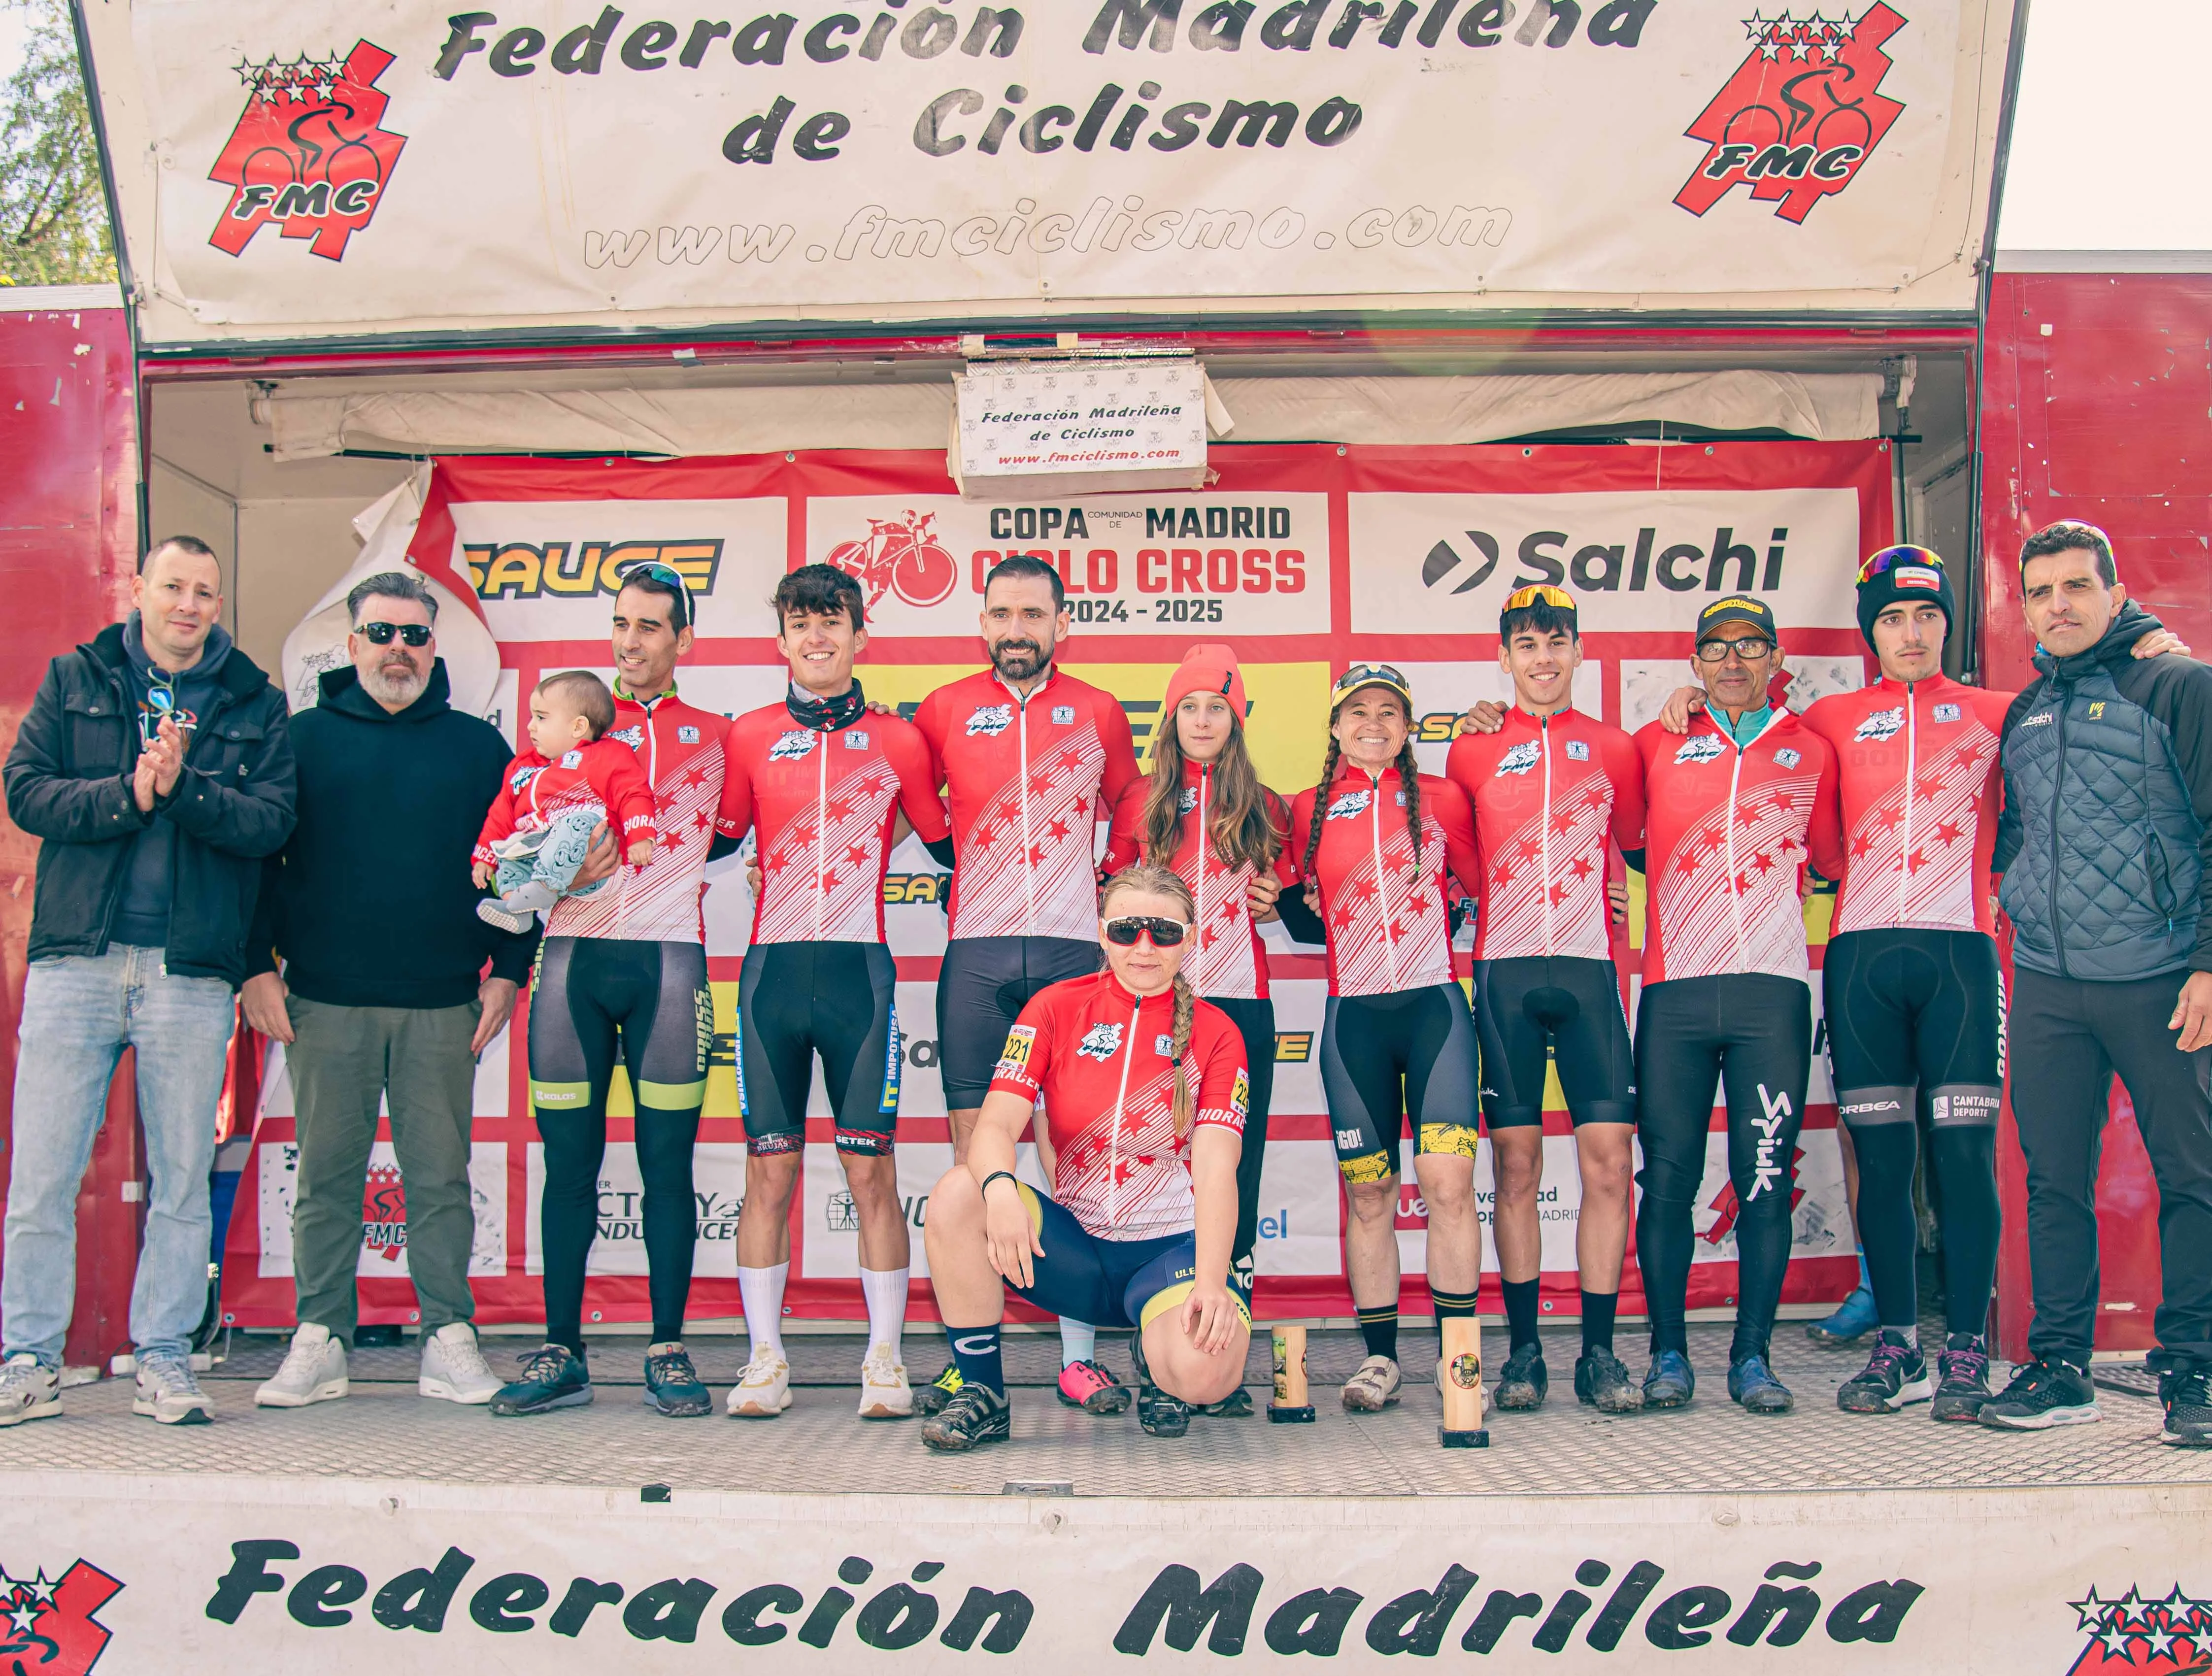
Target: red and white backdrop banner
(1303,557)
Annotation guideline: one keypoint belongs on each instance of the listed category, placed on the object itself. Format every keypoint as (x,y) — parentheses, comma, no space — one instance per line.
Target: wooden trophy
(1462,1385)
(1290,1406)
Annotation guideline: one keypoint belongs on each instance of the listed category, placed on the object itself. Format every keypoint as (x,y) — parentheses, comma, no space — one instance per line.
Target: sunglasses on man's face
(381,634)
(1125,931)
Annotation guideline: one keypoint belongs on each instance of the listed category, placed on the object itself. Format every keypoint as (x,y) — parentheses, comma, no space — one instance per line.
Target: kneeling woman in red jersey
(1145,1089)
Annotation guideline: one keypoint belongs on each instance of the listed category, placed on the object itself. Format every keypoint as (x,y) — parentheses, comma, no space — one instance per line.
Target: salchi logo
(900,556)
(307,154)
(1801,114)
(2172,1635)
(49,1627)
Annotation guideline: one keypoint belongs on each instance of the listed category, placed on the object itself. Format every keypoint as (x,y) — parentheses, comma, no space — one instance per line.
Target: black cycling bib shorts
(1388,1057)
(1110,1282)
(1916,1021)
(1535,1010)
(1753,1033)
(591,999)
(1255,1019)
(796,999)
(982,984)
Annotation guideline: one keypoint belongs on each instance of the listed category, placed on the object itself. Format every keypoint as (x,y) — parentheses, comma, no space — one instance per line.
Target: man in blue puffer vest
(2105,845)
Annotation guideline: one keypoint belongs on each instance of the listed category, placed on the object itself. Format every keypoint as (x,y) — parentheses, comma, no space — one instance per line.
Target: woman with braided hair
(1380,838)
(1143,1086)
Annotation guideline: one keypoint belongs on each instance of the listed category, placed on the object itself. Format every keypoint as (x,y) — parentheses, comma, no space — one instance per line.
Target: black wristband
(996,1175)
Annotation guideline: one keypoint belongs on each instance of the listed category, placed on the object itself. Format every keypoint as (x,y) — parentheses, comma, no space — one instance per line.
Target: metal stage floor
(384,1432)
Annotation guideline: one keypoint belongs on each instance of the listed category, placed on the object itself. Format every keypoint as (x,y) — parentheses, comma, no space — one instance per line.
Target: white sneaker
(167,1392)
(454,1366)
(764,1389)
(29,1390)
(884,1392)
(1373,1385)
(314,1370)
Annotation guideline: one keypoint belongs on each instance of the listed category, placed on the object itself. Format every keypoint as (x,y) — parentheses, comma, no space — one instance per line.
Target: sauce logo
(1801,114)
(309,153)
(2135,1631)
(557,569)
(49,1627)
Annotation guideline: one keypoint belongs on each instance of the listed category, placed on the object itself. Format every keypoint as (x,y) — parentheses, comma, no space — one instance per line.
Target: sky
(2102,142)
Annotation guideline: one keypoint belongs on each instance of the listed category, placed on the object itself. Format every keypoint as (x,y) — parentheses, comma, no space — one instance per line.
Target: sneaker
(672,1385)
(1091,1387)
(975,1414)
(1962,1378)
(933,1397)
(1669,1381)
(763,1390)
(1895,1375)
(453,1367)
(314,1370)
(1237,1405)
(1160,1413)
(1854,1319)
(1601,1381)
(1751,1384)
(553,1377)
(2187,1394)
(1524,1380)
(167,1392)
(2043,1394)
(492,913)
(1373,1385)
(884,1392)
(29,1390)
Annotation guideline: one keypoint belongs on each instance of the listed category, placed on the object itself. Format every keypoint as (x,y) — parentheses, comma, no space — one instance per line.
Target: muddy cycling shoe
(672,1385)
(933,1397)
(1523,1381)
(1373,1385)
(1669,1381)
(554,1377)
(1091,1387)
(1895,1373)
(974,1416)
(1603,1381)
(1237,1405)
(1751,1384)
(1962,1378)
(1160,1414)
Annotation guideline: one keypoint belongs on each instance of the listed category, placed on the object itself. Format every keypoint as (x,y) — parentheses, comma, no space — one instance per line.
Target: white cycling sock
(885,1290)
(762,1292)
(1079,1342)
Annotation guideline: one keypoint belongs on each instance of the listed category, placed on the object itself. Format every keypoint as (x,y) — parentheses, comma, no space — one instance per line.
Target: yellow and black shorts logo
(1455,1140)
(1368,1169)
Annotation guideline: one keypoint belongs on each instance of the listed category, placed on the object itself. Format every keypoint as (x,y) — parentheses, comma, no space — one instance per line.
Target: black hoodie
(371,903)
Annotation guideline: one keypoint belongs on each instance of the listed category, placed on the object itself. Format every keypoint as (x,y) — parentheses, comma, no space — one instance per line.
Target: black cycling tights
(1917,1018)
(591,996)
(1753,1033)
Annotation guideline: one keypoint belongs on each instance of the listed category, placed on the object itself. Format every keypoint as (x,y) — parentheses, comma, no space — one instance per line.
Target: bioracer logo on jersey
(1351,804)
(1519,760)
(1700,748)
(1881,725)
(1947,713)
(789,747)
(991,720)
(1577,752)
(1100,1042)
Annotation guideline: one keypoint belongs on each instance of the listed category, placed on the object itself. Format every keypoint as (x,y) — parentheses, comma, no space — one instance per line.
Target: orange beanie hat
(1207,669)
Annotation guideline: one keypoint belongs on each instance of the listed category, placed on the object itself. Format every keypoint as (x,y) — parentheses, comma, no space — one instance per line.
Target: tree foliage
(53,214)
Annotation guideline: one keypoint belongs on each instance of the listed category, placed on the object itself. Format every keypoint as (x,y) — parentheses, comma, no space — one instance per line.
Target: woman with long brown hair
(1379,837)
(1203,812)
(1142,1086)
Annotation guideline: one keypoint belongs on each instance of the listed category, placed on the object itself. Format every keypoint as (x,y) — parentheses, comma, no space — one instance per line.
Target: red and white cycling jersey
(604,777)
(1102,1062)
(1030,779)
(1727,834)
(824,804)
(1389,929)
(1227,958)
(1921,783)
(684,752)
(1548,791)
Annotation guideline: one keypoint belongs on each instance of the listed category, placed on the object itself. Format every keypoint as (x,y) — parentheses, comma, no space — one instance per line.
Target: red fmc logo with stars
(1801,114)
(308,154)
(2162,1636)
(48,1627)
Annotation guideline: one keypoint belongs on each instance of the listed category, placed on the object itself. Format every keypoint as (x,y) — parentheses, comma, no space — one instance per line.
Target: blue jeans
(80,1013)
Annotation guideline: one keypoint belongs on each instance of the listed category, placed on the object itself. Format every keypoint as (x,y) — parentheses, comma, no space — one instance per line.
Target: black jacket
(371,903)
(68,783)
(2106,841)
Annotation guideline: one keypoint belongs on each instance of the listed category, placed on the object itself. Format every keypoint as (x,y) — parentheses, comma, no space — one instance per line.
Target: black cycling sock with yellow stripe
(1379,1327)
(1449,1304)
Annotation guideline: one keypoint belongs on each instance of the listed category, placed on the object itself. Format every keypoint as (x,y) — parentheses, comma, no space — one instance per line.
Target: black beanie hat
(1906,574)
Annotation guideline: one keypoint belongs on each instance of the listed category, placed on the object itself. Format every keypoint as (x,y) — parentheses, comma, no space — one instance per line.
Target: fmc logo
(559,569)
(309,153)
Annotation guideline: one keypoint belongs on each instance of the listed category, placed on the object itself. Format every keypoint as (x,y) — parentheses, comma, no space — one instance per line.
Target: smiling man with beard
(383,995)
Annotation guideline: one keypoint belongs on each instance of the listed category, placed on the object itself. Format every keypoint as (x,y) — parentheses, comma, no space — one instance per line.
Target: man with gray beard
(384,995)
